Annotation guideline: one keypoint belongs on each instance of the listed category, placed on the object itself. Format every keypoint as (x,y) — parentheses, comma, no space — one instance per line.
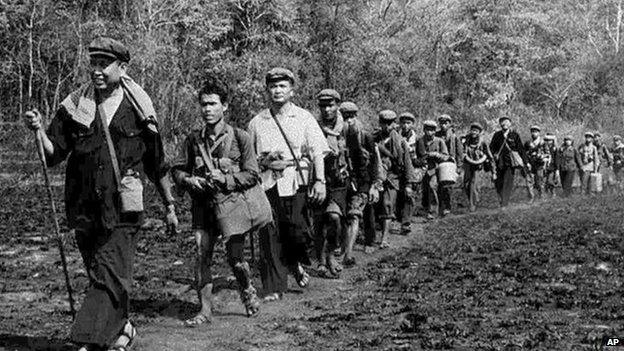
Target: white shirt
(305,137)
(112,103)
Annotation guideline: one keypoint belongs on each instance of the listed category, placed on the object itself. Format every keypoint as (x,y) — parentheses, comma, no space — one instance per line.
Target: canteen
(595,182)
(447,173)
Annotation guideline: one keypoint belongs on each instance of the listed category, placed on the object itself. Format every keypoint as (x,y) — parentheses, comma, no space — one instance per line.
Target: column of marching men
(305,186)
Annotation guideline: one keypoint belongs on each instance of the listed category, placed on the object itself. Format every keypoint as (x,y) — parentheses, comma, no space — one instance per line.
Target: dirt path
(271,330)
(32,299)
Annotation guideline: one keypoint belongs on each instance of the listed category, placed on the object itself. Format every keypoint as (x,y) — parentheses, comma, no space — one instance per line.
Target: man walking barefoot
(236,169)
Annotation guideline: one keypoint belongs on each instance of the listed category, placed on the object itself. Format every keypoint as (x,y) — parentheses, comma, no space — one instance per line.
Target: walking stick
(59,236)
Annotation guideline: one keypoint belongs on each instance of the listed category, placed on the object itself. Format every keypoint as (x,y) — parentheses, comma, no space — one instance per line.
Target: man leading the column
(108,130)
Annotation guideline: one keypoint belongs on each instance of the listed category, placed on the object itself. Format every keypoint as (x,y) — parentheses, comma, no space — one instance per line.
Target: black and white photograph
(288,175)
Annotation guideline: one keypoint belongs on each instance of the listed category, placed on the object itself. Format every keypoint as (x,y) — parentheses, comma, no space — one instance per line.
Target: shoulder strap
(205,155)
(292,152)
(101,115)
(502,145)
(230,139)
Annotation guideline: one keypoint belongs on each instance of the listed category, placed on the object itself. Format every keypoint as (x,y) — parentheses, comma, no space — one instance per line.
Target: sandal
(129,332)
(301,277)
(272,297)
(197,320)
(250,300)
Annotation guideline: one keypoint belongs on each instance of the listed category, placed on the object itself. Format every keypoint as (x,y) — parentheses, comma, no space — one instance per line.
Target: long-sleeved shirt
(395,158)
(453,144)
(590,159)
(605,155)
(411,138)
(551,158)
(618,156)
(501,146)
(568,159)
(90,185)
(474,150)
(362,157)
(305,137)
(425,147)
(537,152)
(231,152)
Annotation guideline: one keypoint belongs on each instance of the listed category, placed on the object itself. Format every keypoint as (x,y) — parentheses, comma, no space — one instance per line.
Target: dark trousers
(471,186)
(108,255)
(405,209)
(293,224)
(536,181)
(369,225)
(504,184)
(444,195)
(273,273)
(550,182)
(567,179)
(584,176)
(430,192)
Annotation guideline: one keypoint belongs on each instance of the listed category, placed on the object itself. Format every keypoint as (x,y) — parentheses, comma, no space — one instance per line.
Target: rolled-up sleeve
(59,133)
(248,176)
(315,139)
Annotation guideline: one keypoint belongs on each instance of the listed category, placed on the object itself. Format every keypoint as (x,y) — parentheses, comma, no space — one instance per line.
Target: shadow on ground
(21,342)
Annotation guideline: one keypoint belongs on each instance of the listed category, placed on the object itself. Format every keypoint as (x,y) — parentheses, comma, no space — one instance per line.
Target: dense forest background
(554,62)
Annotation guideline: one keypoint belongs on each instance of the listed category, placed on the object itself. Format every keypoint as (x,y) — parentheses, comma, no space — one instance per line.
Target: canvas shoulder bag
(516,159)
(237,212)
